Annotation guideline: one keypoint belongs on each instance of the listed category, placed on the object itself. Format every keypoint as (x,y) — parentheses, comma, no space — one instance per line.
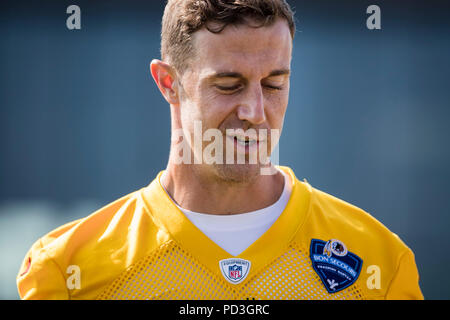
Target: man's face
(238,79)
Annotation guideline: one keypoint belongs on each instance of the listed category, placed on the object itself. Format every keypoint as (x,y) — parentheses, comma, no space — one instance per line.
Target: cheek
(202,106)
(276,109)
(215,108)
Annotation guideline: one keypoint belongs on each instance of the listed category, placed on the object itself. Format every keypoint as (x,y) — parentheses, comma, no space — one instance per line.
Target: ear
(165,79)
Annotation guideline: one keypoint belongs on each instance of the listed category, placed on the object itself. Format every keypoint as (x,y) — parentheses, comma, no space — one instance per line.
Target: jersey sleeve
(405,284)
(40,278)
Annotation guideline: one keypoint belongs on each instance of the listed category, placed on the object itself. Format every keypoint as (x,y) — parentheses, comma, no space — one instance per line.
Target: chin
(238,173)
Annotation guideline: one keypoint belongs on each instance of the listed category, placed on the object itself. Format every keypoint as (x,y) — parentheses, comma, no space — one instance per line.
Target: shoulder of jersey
(330,218)
(102,244)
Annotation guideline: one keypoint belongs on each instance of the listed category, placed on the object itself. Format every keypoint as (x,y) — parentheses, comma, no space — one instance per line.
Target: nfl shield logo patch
(235,272)
(234,269)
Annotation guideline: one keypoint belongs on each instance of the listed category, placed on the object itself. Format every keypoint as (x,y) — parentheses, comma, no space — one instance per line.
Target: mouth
(243,141)
(247,141)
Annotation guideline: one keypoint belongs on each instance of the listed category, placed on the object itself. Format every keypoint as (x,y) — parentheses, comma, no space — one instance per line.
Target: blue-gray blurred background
(82,123)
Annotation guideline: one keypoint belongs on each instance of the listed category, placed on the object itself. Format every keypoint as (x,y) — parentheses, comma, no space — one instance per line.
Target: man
(221,222)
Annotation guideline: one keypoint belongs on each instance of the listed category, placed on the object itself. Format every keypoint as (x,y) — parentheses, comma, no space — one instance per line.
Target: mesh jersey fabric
(142,247)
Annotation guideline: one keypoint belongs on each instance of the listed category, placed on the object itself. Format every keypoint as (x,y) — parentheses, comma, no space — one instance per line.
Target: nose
(251,107)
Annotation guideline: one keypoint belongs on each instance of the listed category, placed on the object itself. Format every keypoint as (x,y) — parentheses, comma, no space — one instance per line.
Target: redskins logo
(336,247)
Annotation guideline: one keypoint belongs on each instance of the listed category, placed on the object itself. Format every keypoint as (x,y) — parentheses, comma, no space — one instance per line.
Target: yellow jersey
(143,247)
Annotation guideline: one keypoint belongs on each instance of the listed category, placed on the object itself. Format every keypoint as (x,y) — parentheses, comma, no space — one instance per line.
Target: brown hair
(183,17)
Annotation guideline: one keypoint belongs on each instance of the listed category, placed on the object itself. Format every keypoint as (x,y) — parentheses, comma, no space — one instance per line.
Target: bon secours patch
(337,267)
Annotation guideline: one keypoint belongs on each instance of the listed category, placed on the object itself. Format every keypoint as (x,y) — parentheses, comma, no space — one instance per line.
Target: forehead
(242,48)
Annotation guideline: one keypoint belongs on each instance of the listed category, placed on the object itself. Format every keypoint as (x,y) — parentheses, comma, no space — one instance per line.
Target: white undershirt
(235,233)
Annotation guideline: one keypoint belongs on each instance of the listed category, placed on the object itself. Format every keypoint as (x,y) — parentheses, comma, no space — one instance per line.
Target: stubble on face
(202,102)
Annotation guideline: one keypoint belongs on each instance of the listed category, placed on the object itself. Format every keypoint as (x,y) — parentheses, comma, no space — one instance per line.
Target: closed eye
(239,86)
(273,87)
(229,88)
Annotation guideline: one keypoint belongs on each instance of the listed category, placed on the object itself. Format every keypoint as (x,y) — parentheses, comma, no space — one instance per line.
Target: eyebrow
(279,72)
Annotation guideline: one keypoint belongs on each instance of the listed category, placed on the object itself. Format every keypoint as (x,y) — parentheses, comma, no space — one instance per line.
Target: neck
(198,192)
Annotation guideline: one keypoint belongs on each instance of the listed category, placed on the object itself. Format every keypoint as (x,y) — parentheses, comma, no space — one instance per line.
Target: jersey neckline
(266,248)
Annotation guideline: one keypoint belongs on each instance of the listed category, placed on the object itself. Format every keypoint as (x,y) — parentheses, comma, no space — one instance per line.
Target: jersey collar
(269,246)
